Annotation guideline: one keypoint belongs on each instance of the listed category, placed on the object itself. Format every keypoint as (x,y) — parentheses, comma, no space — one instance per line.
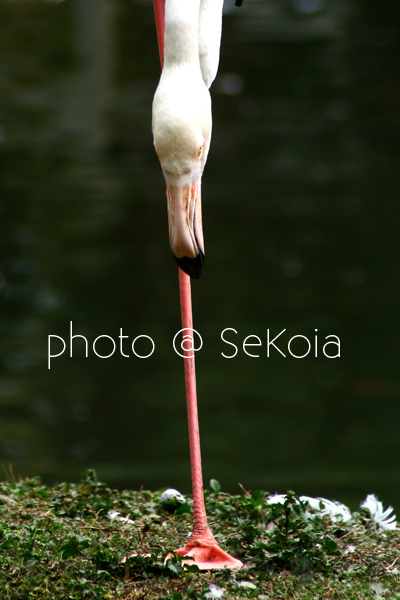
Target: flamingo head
(182,133)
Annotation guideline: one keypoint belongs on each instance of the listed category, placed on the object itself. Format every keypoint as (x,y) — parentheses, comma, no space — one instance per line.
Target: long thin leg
(202,549)
(159,17)
(199,511)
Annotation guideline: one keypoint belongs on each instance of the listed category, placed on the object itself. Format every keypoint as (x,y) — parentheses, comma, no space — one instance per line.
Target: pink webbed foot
(203,551)
(208,557)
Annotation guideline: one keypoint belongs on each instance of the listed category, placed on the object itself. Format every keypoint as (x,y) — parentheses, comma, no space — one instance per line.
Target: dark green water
(300,199)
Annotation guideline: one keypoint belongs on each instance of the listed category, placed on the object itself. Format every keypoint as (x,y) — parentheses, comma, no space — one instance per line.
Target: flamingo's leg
(202,549)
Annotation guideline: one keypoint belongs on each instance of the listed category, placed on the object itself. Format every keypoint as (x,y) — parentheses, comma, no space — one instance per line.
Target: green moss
(59,542)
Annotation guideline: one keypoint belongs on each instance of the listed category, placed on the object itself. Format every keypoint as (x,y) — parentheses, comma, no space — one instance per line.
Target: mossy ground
(59,543)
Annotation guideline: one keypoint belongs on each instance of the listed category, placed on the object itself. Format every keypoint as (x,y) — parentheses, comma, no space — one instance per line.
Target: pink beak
(185,226)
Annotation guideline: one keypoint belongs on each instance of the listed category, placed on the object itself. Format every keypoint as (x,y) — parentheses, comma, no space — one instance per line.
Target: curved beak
(185,225)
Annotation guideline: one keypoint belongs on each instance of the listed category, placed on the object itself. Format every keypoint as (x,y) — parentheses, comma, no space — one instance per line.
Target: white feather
(383,518)
(214,592)
(338,511)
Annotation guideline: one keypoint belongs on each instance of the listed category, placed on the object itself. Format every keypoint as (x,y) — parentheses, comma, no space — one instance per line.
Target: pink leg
(159,17)
(202,549)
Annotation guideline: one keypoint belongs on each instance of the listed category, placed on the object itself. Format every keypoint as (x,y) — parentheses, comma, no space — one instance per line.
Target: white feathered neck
(193,35)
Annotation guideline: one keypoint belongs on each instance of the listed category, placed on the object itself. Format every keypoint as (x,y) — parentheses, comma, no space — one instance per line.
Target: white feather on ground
(384,519)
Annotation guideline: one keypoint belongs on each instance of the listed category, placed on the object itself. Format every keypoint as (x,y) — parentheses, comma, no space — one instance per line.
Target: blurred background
(300,211)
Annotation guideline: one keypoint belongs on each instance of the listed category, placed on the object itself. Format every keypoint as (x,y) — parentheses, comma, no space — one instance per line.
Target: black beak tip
(191,266)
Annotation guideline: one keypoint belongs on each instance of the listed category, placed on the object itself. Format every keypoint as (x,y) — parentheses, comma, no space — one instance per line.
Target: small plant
(296,542)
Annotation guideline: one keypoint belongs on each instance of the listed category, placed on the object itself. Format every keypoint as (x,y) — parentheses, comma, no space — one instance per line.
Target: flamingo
(189,34)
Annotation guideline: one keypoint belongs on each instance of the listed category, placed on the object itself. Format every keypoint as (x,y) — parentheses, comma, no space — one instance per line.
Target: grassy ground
(59,543)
